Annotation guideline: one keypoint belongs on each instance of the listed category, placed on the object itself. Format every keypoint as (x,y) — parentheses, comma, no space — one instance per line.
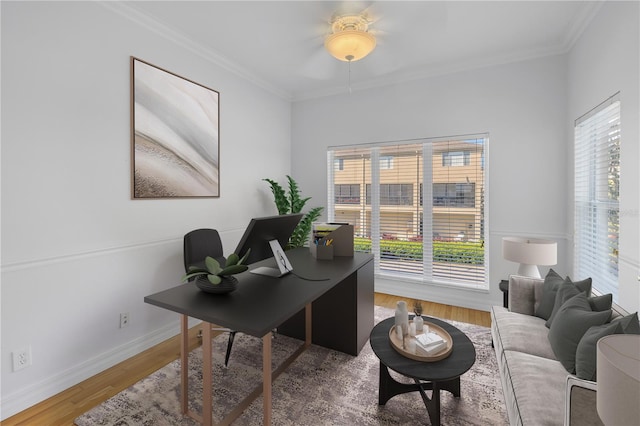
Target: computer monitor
(261,230)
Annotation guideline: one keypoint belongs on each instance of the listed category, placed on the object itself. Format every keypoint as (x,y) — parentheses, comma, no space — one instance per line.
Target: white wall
(523,108)
(76,250)
(605,60)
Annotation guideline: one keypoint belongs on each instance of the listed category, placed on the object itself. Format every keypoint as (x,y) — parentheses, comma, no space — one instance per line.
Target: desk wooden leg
(307,325)
(207,375)
(268,376)
(184,362)
(266,379)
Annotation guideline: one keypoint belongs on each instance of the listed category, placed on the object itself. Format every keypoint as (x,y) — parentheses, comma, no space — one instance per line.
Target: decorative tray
(418,354)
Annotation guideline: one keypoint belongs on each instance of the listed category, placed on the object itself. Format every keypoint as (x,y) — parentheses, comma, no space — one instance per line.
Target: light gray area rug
(322,387)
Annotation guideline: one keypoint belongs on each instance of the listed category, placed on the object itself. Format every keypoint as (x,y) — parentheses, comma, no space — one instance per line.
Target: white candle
(412,330)
(412,346)
(399,332)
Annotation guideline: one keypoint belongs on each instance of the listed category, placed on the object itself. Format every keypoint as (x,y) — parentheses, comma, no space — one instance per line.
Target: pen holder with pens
(331,239)
(321,252)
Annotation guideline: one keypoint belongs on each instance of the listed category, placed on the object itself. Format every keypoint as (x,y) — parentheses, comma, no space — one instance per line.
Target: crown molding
(433,70)
(586,14)
(130,12)
(577,27)
(581,21)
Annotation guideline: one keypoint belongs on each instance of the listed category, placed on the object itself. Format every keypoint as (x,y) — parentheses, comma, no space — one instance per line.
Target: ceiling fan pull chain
(349,74)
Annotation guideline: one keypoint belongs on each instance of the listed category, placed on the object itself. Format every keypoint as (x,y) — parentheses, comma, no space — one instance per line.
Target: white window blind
(597,190)
(441,240)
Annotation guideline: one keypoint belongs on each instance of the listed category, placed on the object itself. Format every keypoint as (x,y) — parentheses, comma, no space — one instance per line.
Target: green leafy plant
(291,202)
(462,252)
(417,308)
(215,272)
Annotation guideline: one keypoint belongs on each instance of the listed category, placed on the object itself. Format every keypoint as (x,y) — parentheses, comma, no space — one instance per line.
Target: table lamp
(529,253)
(618,377)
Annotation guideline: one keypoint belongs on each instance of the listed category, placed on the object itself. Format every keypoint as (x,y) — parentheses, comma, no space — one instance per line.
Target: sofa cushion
(523,333)
(534,389)
(572,321)
(586,350)
(553,282)
(525,294)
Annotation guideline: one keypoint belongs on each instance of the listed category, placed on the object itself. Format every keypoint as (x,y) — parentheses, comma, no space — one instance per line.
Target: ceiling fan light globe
(350,43)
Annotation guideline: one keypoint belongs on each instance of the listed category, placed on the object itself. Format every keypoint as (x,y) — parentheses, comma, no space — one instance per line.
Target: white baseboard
(471,299)
(31,395)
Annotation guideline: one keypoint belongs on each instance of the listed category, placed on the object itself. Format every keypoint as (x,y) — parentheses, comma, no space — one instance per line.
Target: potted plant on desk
(214,278)
(292,202)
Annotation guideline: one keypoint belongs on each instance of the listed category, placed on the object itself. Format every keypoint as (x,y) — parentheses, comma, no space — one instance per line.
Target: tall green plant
(291,202)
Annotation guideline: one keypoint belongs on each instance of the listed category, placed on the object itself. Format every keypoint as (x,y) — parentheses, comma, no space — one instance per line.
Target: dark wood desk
(349,285)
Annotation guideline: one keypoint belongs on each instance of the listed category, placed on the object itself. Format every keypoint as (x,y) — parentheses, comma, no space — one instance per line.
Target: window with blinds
(381,189)
(597,190)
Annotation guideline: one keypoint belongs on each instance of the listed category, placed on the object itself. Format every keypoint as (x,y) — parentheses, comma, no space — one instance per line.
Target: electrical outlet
(21,358)
(124,319)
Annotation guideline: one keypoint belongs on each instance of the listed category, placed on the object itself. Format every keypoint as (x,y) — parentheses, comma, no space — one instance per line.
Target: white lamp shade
(529,252)
(618,377)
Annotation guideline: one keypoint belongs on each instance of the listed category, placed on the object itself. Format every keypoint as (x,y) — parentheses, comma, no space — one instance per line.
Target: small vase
(419,322)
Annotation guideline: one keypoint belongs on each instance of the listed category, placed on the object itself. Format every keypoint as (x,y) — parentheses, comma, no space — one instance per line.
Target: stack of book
(430,343)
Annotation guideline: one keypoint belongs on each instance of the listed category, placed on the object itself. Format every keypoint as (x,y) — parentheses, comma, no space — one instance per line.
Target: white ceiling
(279,44)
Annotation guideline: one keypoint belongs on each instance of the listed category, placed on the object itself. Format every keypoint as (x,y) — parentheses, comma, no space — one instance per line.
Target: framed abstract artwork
(175,142)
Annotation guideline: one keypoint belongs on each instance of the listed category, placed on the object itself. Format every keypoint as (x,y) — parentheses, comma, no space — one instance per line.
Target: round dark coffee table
(444,374)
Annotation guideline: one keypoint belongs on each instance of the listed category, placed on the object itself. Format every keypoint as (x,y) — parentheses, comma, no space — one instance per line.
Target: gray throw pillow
(571,323)
(629,324)
(583,285)
(564,293)
(551,283)
(567,291)
(601,303)
(586,350)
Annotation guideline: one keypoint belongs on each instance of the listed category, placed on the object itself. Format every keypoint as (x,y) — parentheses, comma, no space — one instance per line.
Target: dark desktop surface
(261,303)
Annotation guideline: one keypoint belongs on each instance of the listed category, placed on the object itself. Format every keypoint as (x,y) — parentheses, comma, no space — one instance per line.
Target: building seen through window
(381,191)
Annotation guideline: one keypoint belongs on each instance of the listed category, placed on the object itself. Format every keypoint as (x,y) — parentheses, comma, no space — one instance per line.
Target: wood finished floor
(64,407)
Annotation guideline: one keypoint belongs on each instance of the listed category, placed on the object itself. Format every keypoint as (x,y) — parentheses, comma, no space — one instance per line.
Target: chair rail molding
(72,257)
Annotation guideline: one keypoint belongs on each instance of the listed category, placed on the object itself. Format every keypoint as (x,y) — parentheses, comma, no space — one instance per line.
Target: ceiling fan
(350,39)
(348,36)
(368,33)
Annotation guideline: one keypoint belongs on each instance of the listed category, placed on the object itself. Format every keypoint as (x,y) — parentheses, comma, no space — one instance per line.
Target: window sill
(480,288)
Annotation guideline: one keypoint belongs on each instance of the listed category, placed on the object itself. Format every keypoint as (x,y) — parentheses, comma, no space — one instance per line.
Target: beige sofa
(537,388)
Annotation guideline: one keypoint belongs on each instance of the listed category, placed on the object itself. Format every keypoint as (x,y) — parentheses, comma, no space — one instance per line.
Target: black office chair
(199,244)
